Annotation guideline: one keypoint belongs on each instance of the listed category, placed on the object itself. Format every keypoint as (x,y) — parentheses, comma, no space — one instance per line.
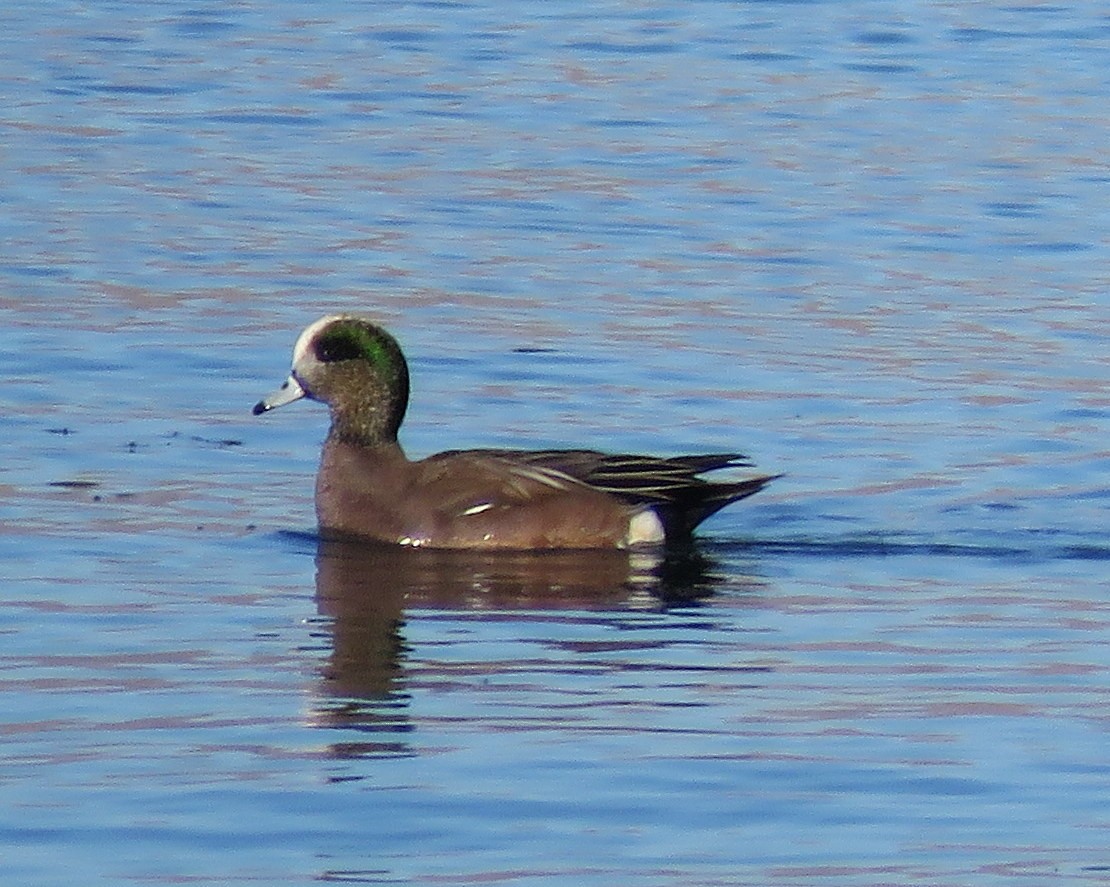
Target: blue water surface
(865,243)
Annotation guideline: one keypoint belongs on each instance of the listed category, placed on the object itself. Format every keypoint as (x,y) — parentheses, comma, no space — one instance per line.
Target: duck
(481,499)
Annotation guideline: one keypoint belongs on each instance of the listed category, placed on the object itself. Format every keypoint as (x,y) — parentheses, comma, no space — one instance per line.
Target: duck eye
(330,349)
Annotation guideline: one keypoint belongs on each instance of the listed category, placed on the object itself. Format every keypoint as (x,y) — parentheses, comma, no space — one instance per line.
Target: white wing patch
(477,509)
(523,478)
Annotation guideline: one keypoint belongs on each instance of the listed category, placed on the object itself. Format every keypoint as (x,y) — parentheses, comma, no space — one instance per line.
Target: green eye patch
(354,342)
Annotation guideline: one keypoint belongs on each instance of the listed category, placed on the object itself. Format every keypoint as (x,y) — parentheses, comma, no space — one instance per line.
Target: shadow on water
(364,592)
(1031,547)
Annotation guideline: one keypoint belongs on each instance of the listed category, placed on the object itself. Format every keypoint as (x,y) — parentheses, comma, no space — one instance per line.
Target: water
(865,244)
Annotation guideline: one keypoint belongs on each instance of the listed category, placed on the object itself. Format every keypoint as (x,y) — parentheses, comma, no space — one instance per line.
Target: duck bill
(287,393)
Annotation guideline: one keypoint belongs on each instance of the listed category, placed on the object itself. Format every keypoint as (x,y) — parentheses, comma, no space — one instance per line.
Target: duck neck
(369,427)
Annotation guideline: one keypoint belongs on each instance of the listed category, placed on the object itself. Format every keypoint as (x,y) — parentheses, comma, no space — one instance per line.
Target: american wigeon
(480,499)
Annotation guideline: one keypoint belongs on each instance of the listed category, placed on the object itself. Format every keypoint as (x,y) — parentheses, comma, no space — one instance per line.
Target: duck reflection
(363,592)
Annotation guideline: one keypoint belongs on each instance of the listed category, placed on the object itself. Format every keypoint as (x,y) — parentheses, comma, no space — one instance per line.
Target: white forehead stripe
(300,350)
